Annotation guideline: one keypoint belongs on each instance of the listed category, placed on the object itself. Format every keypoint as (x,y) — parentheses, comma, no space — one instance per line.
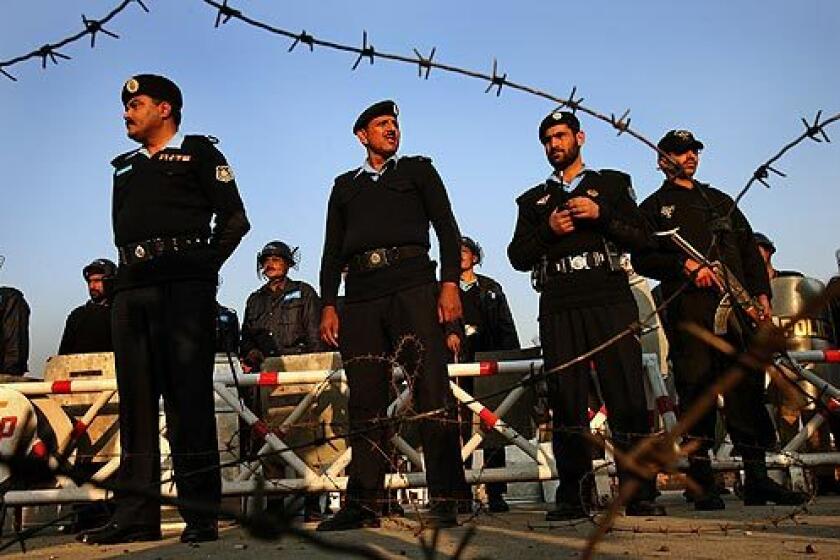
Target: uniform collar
(374,174)
(174,142)
(571,185)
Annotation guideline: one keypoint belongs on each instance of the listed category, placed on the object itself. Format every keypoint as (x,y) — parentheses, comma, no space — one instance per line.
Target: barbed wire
(49,52)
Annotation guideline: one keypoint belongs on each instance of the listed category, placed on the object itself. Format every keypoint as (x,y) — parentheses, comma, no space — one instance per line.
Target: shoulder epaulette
(120,159)
(426,159)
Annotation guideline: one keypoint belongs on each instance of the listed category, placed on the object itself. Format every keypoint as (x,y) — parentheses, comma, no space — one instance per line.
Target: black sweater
(88,329)
(619,221)
(176,193)
(396,210)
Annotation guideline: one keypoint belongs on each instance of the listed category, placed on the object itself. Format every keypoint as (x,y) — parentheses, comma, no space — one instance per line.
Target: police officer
(569,233)
(166,195)
(700,212)
(14,334)
(281,318)
(488,326)
(378,225)
(88,327)
(284,315)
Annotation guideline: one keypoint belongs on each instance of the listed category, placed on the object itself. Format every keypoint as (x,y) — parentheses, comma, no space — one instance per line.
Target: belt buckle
(377,258)
(140,251)
(578,262)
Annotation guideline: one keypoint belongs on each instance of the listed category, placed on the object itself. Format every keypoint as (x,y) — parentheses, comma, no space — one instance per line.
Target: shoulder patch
(224,174)
(534,193)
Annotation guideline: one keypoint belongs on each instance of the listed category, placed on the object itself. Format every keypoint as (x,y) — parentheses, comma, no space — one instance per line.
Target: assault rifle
(726,282)
(748,307)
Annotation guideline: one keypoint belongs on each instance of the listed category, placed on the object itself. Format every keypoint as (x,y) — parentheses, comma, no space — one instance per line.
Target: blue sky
(738,73)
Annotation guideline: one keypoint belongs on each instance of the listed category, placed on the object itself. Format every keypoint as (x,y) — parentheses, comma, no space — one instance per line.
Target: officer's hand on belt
(453,342)
(449,303)
(703,276)
(561,222)
(329,326)
(583,208)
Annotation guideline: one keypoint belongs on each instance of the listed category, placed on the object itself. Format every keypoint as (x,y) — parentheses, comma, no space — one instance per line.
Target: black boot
(496,503)
(114,533)
(352,516)
(443,514)
(760,488)
(700,471)
(200,531)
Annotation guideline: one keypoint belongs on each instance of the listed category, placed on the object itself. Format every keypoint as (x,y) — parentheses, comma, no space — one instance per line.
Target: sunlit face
(468,258)
(96,286)
(381,136)
(689,160)
(562,145)
(144,116)
(275,268)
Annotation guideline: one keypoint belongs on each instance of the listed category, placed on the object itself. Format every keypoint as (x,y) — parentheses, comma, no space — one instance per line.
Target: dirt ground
(738,532)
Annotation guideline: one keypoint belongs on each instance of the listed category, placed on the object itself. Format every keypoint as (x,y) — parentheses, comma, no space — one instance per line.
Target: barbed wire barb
(424,63)
(622,123)
(813,129)
(304,38)
(225,13)
(95,26)
(496,81)
(571,102)
(367,51)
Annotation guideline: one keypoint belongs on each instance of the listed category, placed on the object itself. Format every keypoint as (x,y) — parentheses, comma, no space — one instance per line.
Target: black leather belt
(153,248)
(384,257)
(588,260)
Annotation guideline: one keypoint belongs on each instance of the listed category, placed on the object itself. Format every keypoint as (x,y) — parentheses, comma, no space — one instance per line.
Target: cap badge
(132,85)
(682,134)
(139,252)
(557,115)
(224,173)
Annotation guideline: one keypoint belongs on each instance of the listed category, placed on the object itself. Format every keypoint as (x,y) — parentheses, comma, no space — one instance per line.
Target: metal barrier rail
(543,467)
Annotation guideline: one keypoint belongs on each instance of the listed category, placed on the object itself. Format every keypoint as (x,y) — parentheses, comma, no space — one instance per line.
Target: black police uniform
(88,329)
(282,322)
(696,365)
(585,300)
(164,311)
(14,332)
(378,225)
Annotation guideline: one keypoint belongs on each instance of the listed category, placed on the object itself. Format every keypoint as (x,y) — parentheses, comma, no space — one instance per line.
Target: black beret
(559,117)
(679,142)
(100,266)
(386,107)
(154,86)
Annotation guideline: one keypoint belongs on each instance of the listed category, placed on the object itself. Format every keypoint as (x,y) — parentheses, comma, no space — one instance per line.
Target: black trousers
(696,367)
(566,334)
(371,332)
(163,344)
